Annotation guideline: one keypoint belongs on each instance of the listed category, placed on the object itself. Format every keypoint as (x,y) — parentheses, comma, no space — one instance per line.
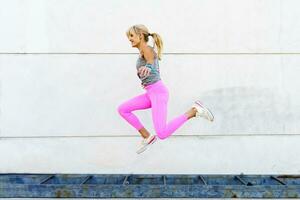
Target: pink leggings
(156,97)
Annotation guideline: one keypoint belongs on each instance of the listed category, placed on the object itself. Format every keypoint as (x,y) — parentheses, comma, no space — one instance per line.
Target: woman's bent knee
(120,109)
(161,136)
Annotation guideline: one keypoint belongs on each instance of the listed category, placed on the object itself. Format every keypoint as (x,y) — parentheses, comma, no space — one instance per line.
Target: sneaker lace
(145,141)
(203,113)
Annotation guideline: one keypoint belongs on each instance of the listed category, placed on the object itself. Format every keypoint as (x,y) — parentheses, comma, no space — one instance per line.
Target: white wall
(65,66)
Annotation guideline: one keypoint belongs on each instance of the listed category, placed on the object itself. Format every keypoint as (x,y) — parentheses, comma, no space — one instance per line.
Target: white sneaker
(145,143)
(202,111)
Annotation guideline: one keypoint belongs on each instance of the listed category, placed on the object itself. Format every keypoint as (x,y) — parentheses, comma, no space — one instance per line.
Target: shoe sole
(210,115)
(146,146)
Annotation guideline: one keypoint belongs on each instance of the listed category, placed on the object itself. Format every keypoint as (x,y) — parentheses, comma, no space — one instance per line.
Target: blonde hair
(143,30)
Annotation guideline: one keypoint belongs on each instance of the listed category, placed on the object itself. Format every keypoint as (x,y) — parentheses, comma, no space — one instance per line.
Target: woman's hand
(144,71)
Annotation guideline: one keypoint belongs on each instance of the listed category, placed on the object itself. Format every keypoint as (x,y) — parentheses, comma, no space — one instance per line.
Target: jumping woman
(156,94)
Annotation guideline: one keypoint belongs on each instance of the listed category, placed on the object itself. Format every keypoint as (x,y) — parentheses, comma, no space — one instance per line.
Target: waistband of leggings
(154,84)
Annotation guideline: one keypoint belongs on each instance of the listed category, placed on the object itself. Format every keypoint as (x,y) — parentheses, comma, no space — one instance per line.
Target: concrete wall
(66,65)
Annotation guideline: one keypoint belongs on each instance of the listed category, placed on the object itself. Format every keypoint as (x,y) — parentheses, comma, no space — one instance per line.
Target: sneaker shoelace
(202,112)
(146,140)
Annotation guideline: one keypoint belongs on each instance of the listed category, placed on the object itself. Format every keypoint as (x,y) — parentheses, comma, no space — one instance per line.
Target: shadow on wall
(252,110)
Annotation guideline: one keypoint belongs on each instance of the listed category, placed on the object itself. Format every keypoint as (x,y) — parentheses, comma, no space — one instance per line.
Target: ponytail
(158,43)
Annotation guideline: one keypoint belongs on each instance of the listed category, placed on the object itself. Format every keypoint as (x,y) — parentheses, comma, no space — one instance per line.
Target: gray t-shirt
(154,75)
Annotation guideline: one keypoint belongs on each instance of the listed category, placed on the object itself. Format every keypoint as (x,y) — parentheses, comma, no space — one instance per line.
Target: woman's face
(134,38)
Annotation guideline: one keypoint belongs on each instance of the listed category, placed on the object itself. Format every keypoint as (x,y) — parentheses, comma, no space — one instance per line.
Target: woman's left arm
(149,56)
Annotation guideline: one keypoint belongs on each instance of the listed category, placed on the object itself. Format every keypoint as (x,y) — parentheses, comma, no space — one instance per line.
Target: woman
(156,95)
